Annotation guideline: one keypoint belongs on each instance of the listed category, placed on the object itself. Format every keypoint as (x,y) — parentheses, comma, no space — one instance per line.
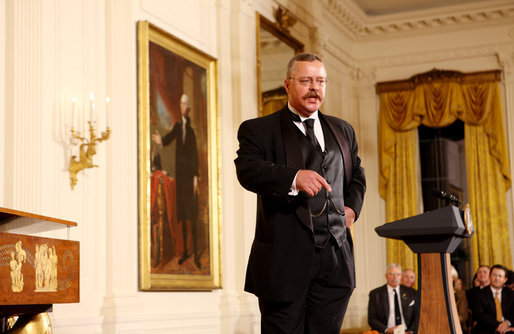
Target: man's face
(306,98)
(498,278)
(483,276)
(408,278)
(184,110)
(393,276)
(458,284)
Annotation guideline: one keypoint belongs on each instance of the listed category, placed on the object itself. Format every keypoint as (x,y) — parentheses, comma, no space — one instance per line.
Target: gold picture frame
(178,164)
(275,47)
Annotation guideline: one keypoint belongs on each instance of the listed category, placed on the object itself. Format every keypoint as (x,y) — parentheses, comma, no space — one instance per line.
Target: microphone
(451,199)
(439,193)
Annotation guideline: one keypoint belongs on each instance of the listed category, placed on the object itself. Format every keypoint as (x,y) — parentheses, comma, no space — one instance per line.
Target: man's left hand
(350,216)
(195,185)
(503,327)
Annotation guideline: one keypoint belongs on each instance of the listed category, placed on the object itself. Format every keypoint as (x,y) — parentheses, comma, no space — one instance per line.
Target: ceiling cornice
(348,14)
(361,25)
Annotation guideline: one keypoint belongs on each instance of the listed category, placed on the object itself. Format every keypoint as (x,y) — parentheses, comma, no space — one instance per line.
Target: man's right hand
(311,182)
(156,137)
(391,330)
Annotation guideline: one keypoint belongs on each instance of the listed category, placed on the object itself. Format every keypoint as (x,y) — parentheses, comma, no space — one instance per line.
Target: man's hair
(393,265)
(499,266)
(484,266)
(408,269)
(310,57)
(186,98)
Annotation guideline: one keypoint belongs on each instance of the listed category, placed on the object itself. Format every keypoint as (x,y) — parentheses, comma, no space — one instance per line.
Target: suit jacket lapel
(385,301)
(344,147)
(490,298)
(403,301)
(294,159)
(294,156)
(502,303)
(505,303)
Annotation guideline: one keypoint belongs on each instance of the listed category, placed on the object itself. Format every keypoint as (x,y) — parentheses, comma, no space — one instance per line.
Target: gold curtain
(436,99)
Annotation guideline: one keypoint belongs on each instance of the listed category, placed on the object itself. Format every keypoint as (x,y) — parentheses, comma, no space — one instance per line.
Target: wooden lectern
(433,236)
(35,272)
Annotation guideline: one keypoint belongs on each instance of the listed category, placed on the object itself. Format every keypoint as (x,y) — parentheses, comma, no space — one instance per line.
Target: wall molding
(443,55)
(362,26)
(27,100)
(352,18)
(87,324)
(506,61)
(167,321)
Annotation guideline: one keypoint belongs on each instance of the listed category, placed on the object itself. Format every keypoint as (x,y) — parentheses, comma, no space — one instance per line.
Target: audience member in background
(392,305)
(494,305)
(480,280)
(408,277)
(475,281)
(454,274)
(462,304)
(510,280)
(457,285)
(482,277)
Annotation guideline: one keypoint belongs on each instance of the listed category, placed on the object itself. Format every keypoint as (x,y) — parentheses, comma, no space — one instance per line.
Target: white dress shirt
(318,132)
(390,294)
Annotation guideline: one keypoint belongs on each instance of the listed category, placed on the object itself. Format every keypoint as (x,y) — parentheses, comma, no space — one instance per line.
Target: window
(443,168)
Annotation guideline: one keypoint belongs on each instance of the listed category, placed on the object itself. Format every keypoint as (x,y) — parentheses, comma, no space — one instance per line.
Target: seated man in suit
(392,304)
(482,279)
(495,305)
(408,277)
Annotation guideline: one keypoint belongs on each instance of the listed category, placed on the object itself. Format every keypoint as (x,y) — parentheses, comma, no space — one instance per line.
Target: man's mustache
(312,93)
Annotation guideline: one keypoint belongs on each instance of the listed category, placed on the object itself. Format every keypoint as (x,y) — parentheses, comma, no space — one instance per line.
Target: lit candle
(73,106)
(82,120)
(107,113)
(92,106)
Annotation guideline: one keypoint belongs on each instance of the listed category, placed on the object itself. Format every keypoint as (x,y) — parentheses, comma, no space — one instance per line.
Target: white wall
(52,50)
(3,74)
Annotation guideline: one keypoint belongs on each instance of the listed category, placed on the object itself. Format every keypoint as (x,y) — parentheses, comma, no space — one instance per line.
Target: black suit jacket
(378,308)
(472,295)
(485,310)
(268,159)
(186,168)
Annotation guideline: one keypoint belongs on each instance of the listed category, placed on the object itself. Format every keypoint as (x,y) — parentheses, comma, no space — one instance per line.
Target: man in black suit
(310,187)
(392,305)
(495,305)
(186,170)
(480,281)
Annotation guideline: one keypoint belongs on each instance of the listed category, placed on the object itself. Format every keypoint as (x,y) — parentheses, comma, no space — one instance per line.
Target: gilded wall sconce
(87,146)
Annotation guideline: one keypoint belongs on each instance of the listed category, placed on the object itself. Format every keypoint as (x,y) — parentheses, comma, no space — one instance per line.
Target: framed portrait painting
(178,165)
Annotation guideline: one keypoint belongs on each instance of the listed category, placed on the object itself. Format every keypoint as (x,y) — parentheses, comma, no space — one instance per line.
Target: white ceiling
(382,7)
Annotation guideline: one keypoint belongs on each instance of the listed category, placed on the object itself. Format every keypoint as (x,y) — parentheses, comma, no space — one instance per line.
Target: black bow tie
(295,117)
(309,129)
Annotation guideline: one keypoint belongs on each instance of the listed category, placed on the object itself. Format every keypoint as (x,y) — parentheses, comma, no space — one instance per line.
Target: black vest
(327,209)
